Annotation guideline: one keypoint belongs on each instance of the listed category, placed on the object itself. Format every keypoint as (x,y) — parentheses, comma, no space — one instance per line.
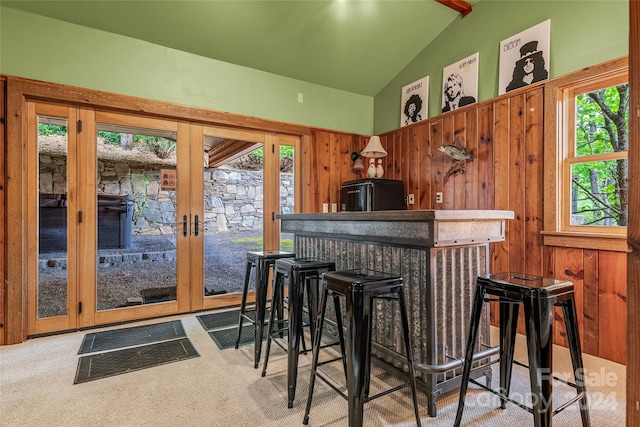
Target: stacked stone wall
(233,199)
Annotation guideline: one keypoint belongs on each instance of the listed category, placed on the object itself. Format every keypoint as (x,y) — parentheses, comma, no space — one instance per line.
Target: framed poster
(524,58)
(460,83)
(415,99)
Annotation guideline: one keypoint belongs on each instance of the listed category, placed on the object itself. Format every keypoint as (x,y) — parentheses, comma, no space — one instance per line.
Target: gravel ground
(147,266)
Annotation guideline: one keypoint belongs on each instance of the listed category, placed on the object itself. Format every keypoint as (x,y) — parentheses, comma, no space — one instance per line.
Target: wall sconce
(358,164)
(374,150)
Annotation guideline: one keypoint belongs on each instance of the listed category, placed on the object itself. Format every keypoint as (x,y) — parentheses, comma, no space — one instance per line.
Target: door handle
(196,228)
(184,226)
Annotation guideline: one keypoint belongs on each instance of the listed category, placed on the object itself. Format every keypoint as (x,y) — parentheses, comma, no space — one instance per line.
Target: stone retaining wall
(233,199)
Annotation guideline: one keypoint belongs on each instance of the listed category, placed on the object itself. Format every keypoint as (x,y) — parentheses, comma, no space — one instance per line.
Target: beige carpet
(221,388)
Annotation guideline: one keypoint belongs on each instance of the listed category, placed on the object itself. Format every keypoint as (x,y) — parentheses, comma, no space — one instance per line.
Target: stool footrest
(501,395)
(330,384)
(570,402)
(562,380)
(384,393)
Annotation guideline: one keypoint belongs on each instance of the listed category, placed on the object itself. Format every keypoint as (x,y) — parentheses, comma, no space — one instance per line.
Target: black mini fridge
(372,194)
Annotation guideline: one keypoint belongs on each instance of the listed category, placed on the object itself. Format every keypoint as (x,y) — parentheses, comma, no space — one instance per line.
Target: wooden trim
(586,241)
(633,258)
(85,183)
(3,284)
(556,103)
(195,185)
(184,175)
(133,105)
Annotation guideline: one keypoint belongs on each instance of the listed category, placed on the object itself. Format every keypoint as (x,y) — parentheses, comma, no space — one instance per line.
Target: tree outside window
(595,163)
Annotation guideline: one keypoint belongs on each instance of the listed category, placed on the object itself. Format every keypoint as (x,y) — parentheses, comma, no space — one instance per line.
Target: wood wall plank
(2,211)
(633,261)
(533,181)
(471,184)
(516,184)
(437,161)
(448,185)
(501,167)
(612,306)
(460,139)
(570,267)
(484,158)
(590,294)
(415,153)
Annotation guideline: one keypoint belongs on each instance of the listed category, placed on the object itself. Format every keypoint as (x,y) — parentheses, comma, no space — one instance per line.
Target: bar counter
(438,253)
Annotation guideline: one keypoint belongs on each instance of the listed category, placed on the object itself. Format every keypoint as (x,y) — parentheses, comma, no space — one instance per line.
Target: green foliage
(45,129)
(111,138)
(286,152)
(599,195)
(163,147)
(255,243)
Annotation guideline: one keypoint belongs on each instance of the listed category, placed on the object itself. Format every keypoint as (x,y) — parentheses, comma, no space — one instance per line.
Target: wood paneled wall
(3,121)
(633,261)
(506,138)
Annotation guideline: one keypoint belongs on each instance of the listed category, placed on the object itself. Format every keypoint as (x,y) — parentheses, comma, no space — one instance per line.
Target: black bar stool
(298,272)
(261,261)
(538,295)
(359,288)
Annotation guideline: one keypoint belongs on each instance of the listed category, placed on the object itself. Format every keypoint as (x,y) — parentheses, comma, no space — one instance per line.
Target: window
(586,138)
(595,161)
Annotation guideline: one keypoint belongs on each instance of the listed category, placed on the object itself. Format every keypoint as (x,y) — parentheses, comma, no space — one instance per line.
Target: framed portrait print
(415,100)
(460,83)
(524,58)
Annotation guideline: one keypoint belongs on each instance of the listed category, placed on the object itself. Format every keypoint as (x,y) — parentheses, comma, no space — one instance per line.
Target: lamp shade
(374,148)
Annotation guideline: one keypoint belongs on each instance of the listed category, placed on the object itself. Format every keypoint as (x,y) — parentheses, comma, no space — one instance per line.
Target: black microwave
(372,194)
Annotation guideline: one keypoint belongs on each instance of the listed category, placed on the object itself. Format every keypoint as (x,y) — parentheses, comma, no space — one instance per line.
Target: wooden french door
(234,142)
(78,272)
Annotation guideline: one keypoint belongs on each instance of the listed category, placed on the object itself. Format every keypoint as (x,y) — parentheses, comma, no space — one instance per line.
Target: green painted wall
(583,33)
(40,48)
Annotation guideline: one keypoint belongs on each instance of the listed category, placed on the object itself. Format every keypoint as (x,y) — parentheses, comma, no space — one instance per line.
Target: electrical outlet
(439,197)
(411,199)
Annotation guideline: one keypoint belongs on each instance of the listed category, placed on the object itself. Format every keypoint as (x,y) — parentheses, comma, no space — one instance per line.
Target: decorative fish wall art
(459,155)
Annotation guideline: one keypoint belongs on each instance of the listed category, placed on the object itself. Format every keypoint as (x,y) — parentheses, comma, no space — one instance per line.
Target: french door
(275,186)
(114,235)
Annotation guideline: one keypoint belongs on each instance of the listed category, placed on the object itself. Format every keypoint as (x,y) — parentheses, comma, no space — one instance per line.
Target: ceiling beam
(462,6)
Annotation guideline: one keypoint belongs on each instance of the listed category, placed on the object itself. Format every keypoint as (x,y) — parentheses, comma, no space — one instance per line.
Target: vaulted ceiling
(353,45)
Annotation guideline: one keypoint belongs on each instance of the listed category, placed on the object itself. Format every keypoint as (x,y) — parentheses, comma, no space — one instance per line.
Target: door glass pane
(52,216)
(136,220)
(287,193)
(233,213)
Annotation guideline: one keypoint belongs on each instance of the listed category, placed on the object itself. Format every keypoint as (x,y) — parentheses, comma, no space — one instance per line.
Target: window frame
(559,156)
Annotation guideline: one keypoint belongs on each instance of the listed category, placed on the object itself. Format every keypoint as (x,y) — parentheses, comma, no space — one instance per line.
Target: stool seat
(538,295)
(525,285)
(298,272)
(261,262)
(359,289)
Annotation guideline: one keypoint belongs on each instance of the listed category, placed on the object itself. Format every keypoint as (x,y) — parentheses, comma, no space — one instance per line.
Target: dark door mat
(226,338)
(102,365)
(127,337)
(219,320)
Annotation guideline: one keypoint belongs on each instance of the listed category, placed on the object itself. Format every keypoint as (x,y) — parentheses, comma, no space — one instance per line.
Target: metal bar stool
(538,295)
(359,288)
(298,272)
(261,261)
